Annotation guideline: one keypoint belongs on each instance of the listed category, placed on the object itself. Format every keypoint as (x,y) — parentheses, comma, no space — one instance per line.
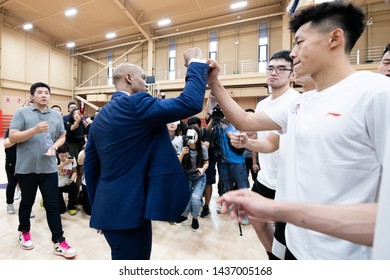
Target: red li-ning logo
(333,114)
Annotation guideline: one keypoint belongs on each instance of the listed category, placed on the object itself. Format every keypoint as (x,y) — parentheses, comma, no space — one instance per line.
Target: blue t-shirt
(232,157)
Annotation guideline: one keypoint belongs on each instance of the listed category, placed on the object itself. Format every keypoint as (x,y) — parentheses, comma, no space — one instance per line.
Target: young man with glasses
(278,76)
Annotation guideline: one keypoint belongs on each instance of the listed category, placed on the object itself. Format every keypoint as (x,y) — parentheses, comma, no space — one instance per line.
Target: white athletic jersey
(334,155)
(382,228)
(269,163)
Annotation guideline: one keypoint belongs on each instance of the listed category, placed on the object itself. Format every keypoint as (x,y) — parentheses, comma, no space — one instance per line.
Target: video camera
(217,114)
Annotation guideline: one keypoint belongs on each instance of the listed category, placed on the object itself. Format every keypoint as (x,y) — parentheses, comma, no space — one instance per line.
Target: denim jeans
(196,184)
(233,172)
(48,185)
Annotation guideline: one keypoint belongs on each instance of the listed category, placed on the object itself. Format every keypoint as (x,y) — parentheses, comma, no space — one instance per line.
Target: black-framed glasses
(278,69)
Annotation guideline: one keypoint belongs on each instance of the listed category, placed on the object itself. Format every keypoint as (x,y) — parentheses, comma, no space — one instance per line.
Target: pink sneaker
(25,241)
(63,249)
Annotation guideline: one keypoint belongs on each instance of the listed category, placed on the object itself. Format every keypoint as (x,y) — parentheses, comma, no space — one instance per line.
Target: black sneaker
(205,211)
(180,220)
(195,225)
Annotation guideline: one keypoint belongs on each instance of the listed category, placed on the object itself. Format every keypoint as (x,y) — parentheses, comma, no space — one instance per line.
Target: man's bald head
(129,78)
(122,69)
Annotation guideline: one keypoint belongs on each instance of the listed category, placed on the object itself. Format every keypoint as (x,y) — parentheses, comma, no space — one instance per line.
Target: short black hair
(56,106)
(283,54)
(194,120)
(34,87)
(71,103)
(387,48)
(330,15)
(63,149)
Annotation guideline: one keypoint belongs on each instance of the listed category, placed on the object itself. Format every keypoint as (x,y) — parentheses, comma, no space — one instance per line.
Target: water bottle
(49,141)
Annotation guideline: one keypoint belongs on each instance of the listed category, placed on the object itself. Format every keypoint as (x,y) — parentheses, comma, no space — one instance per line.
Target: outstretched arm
(234,113)
(264,146)
(352,222)
(155,112)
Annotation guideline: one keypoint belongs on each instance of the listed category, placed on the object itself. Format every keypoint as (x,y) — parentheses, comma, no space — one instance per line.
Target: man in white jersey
(336,138)
(382,227)
(272,235)
(278,77)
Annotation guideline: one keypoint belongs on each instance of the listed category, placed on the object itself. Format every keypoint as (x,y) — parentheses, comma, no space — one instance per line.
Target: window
(109,70)
(213,44)
(172,60)
(263,46)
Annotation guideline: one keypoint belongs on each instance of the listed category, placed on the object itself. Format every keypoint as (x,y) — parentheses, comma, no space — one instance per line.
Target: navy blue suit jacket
(131,168)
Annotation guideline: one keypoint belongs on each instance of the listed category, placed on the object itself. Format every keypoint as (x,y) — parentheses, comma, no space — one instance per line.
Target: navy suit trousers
(130,244)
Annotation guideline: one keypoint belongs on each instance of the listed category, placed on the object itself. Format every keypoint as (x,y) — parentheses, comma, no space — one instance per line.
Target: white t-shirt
(382,228)
(334,154)
(66,173)
(269,163)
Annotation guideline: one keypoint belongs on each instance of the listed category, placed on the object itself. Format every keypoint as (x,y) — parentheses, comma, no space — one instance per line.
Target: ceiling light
(164,22)
(70,12)
(238,5)
(27,26)
(111,35)
(70,45)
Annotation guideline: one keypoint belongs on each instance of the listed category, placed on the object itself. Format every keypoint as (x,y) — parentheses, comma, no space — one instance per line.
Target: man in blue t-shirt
(232,167)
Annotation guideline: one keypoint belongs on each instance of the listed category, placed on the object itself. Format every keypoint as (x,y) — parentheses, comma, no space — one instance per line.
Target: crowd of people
(316,158)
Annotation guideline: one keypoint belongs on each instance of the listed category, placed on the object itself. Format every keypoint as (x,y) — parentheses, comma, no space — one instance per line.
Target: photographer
(205,137)
(230,160)
(194,159)
(211,171)
(232,166)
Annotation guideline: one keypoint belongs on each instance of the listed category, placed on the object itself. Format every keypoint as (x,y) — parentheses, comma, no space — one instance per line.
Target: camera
(186,140)
(190,135)
(217,114)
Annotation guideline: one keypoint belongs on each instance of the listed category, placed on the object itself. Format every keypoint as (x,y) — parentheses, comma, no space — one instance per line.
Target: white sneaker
(17,194)
(32,214)
(10,209)
(63,249)
(25,241)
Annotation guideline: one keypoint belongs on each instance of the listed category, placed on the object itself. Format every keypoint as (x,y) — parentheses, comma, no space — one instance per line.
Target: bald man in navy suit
(132,172)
